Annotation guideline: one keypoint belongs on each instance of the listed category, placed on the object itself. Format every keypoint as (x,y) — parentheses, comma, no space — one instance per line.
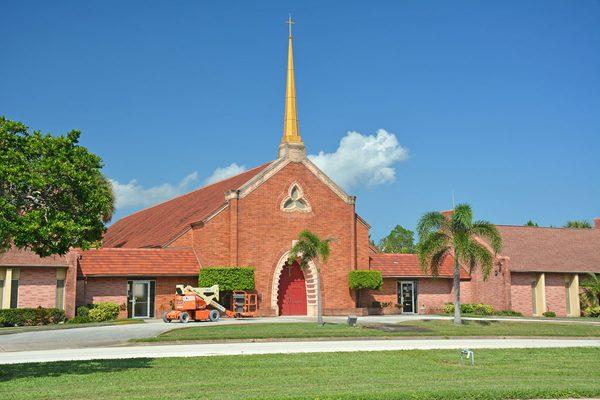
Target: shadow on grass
(55,369)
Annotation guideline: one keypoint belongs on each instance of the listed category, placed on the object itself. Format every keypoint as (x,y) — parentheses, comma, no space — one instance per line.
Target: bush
(550,314)
(228,278)
(508,313)
(104,311)
(31,316)
(78,319)
(593,312)
(470,308)
(365,279)
(83,311)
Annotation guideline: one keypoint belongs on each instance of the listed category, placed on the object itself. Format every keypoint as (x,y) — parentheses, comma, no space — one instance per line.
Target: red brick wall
(362,245)
(521,293)
(37,287)
(556,294)
(495,290)
(432,294)
(113,290)
(265,233)
(184,240)
(211,241)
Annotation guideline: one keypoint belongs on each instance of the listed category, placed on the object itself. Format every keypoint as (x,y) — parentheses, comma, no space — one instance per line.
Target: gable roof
(157,225)
(138,262)
(408,266)
(551,249)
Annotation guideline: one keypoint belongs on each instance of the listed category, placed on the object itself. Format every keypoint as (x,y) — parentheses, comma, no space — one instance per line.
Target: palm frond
(430,245)
(437,259)
(477,254)
(431,222)
(462,218)
(488,231)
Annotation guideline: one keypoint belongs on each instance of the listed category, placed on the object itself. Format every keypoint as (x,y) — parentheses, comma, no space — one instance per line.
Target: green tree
(531,223)
(400,240)
(52,193)
(310,248)
(578,224)
(591,289)
(457,236)
(360,279)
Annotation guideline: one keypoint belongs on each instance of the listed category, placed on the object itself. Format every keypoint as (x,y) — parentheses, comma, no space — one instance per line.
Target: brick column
(233,198)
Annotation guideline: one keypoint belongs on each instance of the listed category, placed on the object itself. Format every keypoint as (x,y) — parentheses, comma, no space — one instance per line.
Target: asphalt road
(221,349)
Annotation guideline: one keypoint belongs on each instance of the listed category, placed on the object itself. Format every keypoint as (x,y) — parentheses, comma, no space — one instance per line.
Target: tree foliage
(311,248)
(457,236)
(578,224)
(400,240)
(53,195)
(365,279)
(531,223)
(591,290)
(228,278)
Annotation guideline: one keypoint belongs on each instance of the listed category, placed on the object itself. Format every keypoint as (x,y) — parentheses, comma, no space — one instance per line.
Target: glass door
(140,299)
(406,294)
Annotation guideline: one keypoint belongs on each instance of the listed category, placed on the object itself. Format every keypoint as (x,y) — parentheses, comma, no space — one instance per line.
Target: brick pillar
(233,197)
(597,223)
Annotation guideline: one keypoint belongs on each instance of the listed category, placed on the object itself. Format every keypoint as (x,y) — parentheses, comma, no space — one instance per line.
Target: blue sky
(496,103)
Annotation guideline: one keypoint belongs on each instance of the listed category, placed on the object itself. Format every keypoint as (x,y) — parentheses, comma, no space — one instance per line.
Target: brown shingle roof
(159,224)
(407,265)
(551,249)
(26,258)
(140,262)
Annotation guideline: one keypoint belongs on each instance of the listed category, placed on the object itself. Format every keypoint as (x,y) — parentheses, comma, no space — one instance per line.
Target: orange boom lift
(193,304)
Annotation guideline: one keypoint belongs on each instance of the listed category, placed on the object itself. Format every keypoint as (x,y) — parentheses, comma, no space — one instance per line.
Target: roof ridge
(550,227)
(143,248)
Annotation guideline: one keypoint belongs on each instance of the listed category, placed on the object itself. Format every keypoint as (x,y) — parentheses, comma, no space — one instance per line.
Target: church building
(253,218)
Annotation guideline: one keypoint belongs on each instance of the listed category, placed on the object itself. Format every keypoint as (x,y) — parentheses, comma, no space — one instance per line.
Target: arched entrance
(291,298)
(287,285)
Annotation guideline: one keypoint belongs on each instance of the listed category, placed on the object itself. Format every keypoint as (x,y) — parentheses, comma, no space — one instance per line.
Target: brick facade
(556,294)
(113,289)
(521,292)
(37,287)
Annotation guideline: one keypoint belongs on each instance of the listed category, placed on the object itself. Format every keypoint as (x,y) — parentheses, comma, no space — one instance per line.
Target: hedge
(228,278)
(470,308)
(365,279)
(31,316)
(103,311)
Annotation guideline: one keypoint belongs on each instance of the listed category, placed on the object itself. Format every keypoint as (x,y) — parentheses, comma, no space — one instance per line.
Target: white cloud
(225,172)
(362,159)
(132,194)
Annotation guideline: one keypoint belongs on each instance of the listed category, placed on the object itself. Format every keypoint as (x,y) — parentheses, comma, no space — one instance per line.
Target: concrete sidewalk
(221,349)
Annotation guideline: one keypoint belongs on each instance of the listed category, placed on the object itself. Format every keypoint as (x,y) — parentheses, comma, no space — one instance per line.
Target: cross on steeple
(290,22)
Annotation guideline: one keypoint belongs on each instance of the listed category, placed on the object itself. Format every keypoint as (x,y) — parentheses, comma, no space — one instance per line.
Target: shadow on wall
(18,371)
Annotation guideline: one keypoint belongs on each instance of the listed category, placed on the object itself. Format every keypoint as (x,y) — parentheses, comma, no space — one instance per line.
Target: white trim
(310,280)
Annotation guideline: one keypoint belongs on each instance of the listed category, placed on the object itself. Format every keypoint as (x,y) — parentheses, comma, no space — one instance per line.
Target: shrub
(448,308)
(104,311)
(228,278)
(508,313)
(470,308)
(365,279)
(376,304)
(82,311)
(593,312)
(78,319)
(31,316)
(550,314)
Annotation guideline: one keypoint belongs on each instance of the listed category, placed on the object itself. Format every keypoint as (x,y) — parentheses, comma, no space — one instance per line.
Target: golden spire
(290,119)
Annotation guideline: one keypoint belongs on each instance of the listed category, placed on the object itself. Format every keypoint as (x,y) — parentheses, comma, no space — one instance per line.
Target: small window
(295,201)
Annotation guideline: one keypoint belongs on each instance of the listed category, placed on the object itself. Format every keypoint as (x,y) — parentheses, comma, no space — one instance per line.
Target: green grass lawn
(441,328)
(20,329)
(417,374)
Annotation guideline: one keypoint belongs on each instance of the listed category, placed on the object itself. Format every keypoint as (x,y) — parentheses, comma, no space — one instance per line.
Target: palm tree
(458,236)
(591,292)
(310,247)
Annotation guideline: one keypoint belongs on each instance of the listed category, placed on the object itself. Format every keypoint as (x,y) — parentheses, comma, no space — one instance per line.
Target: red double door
(292,291)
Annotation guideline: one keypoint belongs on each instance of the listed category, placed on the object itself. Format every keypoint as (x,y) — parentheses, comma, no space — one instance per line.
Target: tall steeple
(291,135)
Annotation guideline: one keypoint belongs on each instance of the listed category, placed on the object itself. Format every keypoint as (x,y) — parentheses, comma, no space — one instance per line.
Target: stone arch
(310,279)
